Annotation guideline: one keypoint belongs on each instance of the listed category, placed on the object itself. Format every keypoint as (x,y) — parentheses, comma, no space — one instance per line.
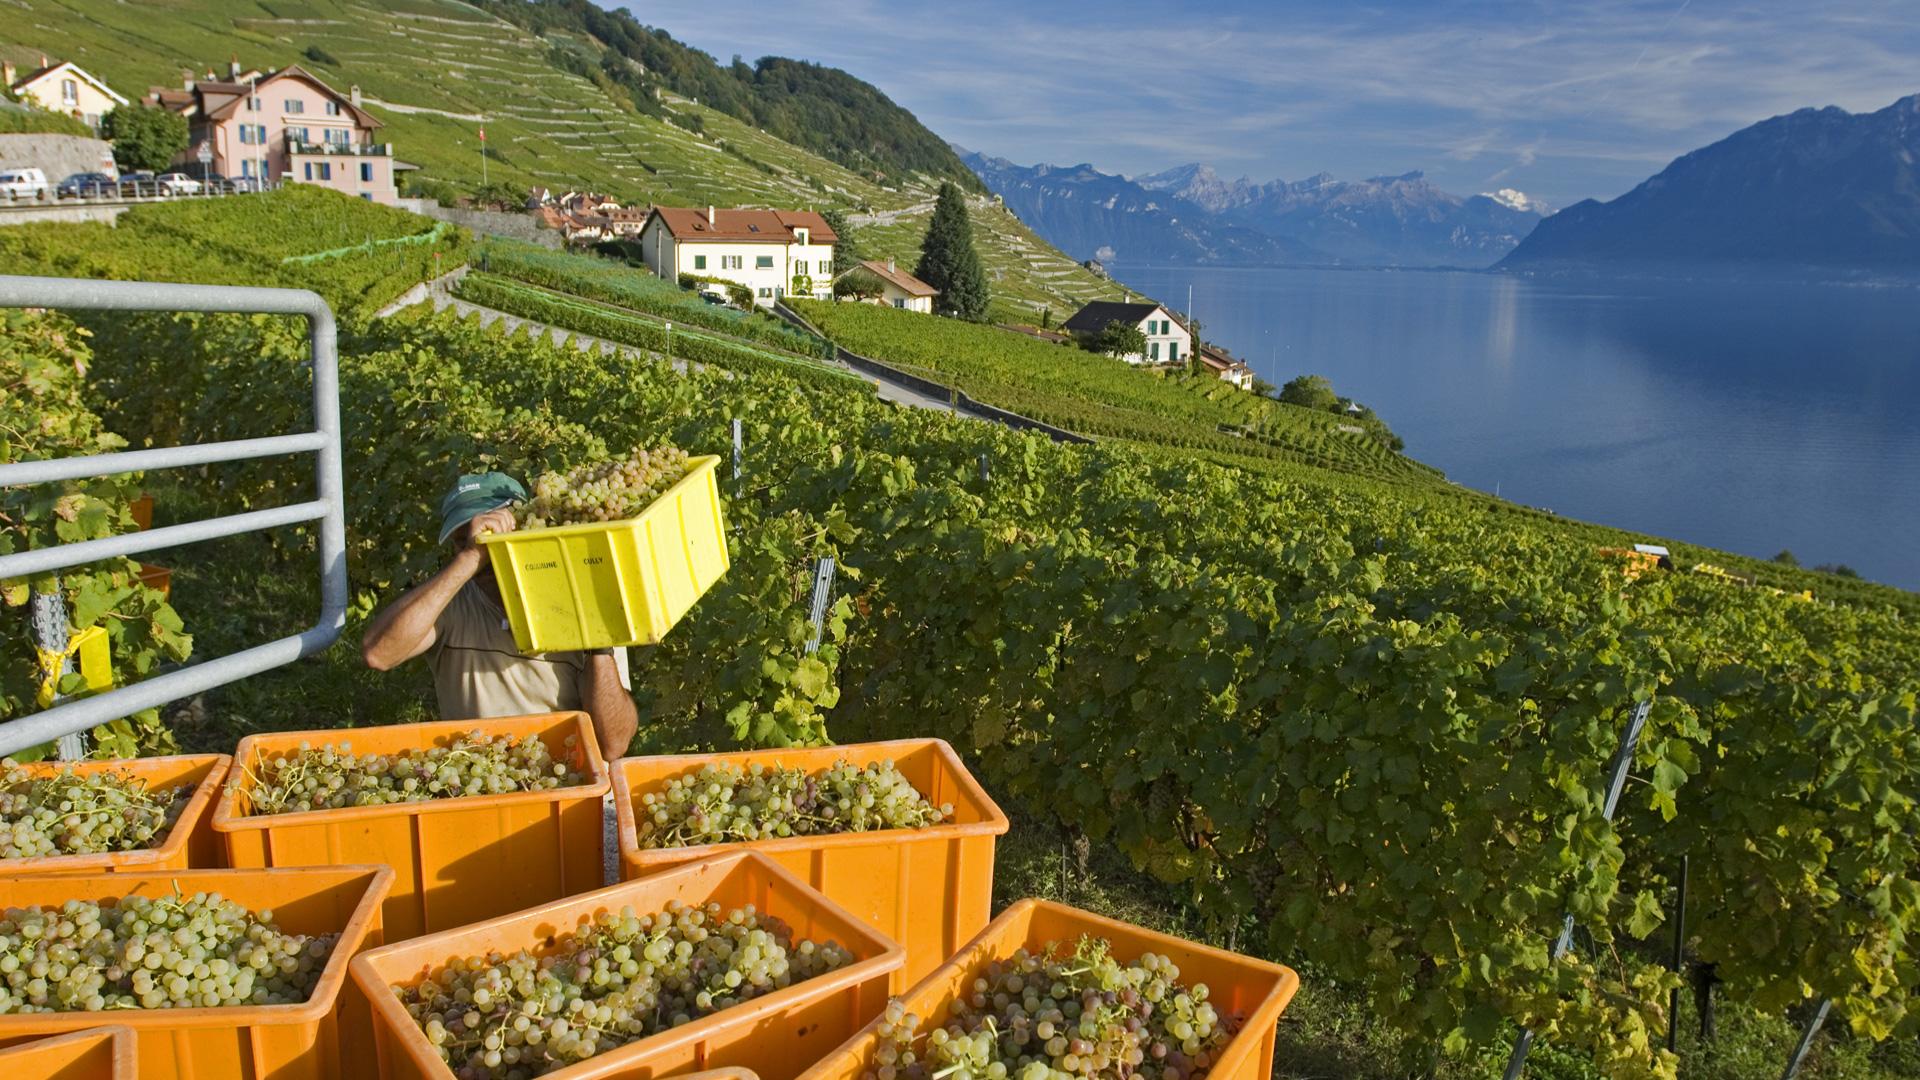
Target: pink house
(284,125)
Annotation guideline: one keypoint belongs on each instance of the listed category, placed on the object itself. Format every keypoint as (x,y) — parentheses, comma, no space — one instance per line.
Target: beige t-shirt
(478,672)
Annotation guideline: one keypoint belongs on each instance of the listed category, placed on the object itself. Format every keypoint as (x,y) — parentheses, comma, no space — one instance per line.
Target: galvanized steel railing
(328,507)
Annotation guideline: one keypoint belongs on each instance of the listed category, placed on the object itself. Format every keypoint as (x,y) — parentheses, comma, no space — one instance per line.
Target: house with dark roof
(1222,364)
(283,125)
(898,289)
(1168,341)
(64,87)
(774,253)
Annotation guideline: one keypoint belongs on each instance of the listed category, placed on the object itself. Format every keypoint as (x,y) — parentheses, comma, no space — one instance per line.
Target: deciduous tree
(144,137)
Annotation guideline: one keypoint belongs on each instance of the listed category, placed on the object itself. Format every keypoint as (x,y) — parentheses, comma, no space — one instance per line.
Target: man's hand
(406,628)
(467,555)
(493,521)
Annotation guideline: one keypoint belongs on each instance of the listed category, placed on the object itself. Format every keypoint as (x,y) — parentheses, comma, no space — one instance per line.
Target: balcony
(327,149)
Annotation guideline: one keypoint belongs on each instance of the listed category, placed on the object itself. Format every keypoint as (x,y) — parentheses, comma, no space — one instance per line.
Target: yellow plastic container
(617,583)
(458,860)
(776,1036)
(324,1037)
(928,889)
(191,841)
(101,1053)
(1237,986)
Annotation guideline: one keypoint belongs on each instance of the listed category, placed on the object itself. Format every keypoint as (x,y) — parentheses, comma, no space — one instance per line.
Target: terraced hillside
(436,70)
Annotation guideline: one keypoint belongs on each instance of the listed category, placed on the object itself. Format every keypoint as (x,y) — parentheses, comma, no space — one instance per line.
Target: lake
(1746,417)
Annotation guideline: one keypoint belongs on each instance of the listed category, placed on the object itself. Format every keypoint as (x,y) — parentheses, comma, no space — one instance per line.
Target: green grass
(433,68)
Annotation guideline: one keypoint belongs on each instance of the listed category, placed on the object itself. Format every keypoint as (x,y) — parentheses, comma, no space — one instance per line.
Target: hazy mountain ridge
(1816,187)
(1190,214)
(1385,220)
(1091,214)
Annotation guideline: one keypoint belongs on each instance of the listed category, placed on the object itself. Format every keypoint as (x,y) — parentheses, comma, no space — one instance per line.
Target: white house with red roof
(775,253)
(898,289)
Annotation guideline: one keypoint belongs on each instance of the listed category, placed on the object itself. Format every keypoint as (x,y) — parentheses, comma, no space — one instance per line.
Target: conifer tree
(846,250)
(948,261)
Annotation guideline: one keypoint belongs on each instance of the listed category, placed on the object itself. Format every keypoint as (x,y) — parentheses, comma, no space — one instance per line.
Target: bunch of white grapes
(1039,1016)
(617,978)
(604,491)
(171,952)
(67,813)
(332,777)
(721,803)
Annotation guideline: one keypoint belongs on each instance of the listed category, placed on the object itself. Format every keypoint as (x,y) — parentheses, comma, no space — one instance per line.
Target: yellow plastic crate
(598,585)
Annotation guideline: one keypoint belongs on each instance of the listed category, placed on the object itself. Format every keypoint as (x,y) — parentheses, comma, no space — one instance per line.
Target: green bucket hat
(476,494)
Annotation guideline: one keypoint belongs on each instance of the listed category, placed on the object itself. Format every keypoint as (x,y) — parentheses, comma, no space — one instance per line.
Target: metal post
(1806,1040)
(328,508)
(1622,758)
(739,452)
(47,616)
(822,589)
(1679,957)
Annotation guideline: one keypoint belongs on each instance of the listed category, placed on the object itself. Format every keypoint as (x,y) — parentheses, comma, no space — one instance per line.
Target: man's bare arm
(609,704)
(404,629)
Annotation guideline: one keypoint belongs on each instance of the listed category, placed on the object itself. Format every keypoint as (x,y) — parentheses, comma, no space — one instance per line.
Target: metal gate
(328,508)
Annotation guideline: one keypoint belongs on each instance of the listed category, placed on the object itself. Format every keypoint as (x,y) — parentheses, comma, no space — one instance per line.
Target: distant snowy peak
(1517,200)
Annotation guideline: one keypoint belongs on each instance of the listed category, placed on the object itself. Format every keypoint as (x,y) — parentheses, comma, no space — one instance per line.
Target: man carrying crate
(457,619)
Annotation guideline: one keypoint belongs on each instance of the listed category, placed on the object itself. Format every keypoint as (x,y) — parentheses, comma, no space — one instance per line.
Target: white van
(23,183)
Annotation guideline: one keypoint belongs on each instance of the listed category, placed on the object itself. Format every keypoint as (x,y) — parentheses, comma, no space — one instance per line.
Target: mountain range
(1816,187)
(1191,215)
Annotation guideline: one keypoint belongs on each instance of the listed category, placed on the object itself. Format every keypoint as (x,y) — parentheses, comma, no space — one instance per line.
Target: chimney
(709,215)
(186,78)
(6,73)
(353,95)
(44,62)
(889,266)
(233,68)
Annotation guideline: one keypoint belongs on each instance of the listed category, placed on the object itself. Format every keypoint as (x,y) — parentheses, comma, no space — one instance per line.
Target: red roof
(753,225)
(900,279)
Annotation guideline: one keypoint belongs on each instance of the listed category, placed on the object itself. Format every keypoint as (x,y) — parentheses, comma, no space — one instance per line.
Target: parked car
(86,185)
(23,183)
(138,183)
(174,183)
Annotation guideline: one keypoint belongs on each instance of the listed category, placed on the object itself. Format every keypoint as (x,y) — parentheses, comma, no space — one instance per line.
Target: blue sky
(1562,100)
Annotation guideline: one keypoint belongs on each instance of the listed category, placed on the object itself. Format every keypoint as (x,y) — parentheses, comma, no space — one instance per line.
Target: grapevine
(604,491)
(1041,1016)
(722,802)
(177,952)
(1359,717)
(614,979)
(68,813)
(332,777)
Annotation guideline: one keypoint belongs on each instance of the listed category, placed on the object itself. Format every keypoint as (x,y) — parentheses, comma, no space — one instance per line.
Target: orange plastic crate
(319,1039)
(457,860)
(190,842)
(775,1036)
(928,889)
(100,1053)
(159,578)
(1237,985)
